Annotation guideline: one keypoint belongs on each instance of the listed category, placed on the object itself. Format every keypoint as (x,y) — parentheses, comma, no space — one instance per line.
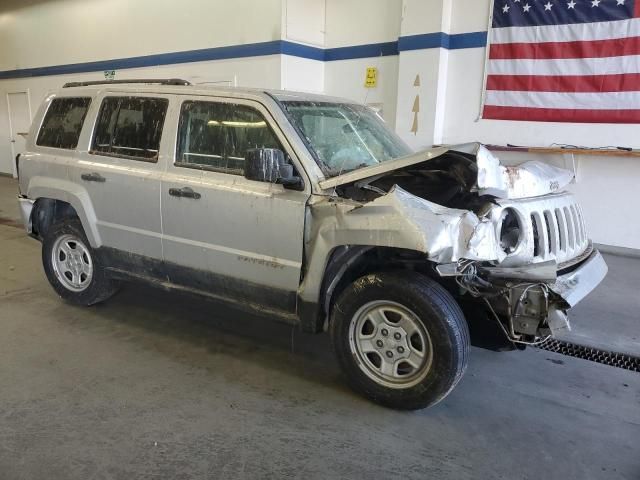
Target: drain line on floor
(619,360)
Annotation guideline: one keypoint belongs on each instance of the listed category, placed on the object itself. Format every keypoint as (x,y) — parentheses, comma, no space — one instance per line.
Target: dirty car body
(279,202)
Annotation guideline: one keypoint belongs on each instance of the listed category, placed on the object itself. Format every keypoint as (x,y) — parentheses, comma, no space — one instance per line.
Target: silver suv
(310,209)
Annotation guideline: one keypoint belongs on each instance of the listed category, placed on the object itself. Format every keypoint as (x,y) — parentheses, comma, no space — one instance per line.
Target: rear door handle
(93,177)
(184,192)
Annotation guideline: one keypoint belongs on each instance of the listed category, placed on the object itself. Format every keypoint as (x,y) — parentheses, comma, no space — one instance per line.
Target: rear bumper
(26,206)
(576,285)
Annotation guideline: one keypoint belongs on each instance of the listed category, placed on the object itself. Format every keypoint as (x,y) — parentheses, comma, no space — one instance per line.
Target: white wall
(430,67)
(361,22)
(345,78)
(469,16)
(302,74)
(54,32)
(304,21)
(607,190)
(426,65)
(424,16)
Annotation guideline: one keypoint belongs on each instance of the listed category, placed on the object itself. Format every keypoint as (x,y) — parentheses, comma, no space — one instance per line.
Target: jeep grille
(555,231)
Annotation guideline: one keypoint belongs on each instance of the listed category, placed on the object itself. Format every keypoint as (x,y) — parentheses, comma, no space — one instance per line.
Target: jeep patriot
(309,209)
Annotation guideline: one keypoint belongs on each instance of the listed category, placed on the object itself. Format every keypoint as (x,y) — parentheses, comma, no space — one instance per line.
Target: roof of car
(197,89)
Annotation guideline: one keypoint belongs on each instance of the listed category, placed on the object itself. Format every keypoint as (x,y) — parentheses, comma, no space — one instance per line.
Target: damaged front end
(507,237)
(529,303)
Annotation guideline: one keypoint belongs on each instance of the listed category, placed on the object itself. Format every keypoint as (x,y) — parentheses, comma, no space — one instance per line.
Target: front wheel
(401,339)
(72,266)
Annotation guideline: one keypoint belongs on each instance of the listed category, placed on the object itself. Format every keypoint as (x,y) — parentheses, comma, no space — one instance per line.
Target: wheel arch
(55,199)
(346,263)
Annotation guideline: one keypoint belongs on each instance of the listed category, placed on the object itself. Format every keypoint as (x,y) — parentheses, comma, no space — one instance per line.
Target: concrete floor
(151,385)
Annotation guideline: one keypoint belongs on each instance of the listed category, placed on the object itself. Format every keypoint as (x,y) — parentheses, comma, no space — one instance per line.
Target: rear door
(224,234)
(119,167)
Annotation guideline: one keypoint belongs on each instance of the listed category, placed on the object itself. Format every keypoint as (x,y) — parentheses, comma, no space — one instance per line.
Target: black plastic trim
(154,81)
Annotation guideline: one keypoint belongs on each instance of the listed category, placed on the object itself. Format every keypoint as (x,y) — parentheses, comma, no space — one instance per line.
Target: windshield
(344,137)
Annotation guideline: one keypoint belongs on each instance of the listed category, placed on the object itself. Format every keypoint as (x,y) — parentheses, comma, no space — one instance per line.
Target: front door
(19,124)
(225,235)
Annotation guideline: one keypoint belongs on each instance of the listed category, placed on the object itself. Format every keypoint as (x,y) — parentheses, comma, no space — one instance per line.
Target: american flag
(564,61)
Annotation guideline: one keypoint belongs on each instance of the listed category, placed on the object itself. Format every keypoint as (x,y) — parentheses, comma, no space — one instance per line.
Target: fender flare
(341,259)
(313,314)
(73,194)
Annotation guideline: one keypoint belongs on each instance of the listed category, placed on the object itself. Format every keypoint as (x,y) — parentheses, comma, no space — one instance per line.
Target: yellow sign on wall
(371,80)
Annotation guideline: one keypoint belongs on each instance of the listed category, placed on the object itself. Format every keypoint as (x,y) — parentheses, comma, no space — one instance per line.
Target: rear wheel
(401,339)
(72,266)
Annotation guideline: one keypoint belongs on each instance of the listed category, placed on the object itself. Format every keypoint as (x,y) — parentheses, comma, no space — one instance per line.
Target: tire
(83,281)
(429,358)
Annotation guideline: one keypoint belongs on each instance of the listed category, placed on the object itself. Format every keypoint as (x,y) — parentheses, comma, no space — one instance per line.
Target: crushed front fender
(443,234)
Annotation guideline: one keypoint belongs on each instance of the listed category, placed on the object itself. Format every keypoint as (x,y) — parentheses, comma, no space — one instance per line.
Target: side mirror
(269,165)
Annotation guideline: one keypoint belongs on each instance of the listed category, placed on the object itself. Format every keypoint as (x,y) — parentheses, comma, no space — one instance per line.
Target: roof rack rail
(161,81)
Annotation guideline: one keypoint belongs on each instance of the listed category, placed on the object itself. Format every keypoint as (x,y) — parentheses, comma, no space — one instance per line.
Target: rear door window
(130,127)
(63,122)
(216,136)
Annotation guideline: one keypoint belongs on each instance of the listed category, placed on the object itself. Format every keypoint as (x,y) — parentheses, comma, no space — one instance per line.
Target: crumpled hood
(529,179)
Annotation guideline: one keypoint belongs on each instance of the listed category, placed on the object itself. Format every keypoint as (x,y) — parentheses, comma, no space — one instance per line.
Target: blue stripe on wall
(206,54)
(413,42)
(302,51)
(442,40)
(467,40)
(424,41)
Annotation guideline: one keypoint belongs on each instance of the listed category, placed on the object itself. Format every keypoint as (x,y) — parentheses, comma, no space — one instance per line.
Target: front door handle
(184,192)
(93,177)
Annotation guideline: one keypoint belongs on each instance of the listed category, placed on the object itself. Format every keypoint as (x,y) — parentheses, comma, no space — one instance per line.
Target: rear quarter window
(63,122)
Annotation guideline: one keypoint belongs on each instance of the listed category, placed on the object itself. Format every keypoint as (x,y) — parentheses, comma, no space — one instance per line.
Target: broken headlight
(510,230)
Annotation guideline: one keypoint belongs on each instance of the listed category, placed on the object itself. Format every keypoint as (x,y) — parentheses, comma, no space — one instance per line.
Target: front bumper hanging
(530,301)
